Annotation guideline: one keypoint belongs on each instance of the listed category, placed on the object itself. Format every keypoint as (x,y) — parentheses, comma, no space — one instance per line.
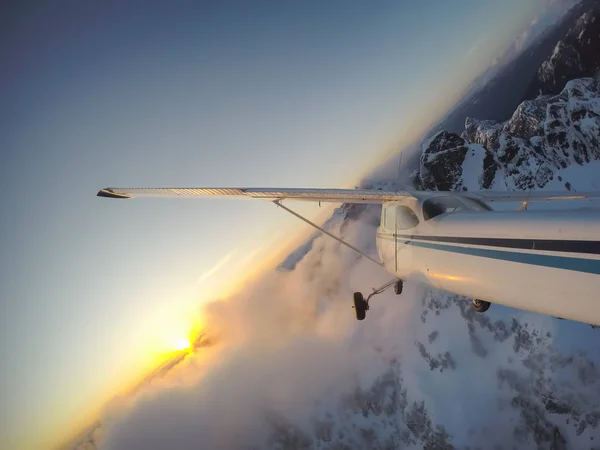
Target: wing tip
(109,193)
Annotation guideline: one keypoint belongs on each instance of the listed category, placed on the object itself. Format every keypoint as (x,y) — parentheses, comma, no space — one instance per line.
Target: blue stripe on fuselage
(584,265)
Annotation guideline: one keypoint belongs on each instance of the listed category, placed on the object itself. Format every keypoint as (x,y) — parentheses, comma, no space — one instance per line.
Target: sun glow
(181,344)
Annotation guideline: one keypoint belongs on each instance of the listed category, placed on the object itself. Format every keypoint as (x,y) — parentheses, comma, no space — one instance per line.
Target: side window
(406,218)
(389,217)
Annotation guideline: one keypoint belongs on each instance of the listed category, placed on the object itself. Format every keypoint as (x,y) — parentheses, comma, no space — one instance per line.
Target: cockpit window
(405,218)
(435,206)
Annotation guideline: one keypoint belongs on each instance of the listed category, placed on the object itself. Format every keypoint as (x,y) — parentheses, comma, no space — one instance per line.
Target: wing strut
(322,230)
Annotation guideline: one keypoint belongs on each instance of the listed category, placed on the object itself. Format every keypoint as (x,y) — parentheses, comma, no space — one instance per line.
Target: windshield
(433,207)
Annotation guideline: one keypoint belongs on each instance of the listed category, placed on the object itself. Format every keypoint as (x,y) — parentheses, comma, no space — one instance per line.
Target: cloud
(523,40)
(251,255)
(473,49)
(561,4)
(218,266)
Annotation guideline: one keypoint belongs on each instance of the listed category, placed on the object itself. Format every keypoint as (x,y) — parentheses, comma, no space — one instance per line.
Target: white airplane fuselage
(543,261)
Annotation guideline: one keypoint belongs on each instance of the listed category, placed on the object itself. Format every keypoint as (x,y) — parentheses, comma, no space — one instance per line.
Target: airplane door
(405,220)
(388,246)
(395,243)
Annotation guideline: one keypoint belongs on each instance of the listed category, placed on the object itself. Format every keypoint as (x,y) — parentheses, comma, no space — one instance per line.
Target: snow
(472,167)
(580,178)
(589,125)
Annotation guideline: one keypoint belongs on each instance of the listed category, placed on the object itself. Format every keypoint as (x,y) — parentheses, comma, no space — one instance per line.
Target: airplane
(546,261)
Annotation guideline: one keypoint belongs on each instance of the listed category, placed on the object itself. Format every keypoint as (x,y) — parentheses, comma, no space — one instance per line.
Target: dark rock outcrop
(441,162)
(575,56)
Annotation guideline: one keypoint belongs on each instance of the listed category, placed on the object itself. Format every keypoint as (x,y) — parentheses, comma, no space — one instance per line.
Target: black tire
(398,287)
(481,305)
(360,306)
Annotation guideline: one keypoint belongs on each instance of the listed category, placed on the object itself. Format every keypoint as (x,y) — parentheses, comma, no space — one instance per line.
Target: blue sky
(304,94)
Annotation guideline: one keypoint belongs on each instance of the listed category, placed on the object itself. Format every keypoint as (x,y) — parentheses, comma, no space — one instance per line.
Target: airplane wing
(271,194)
(340,195)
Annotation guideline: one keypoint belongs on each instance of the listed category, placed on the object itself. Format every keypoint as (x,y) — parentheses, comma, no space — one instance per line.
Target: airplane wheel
(398,287)
(360,306)
(481,305)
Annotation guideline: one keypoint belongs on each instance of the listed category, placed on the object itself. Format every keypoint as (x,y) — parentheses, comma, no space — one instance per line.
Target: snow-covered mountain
(543,137)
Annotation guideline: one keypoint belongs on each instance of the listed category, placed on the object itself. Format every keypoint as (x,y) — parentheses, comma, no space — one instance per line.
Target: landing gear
(481,305)
(361,305)
(398,286)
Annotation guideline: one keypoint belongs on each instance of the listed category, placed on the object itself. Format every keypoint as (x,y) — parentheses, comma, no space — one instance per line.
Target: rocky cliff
(527,151)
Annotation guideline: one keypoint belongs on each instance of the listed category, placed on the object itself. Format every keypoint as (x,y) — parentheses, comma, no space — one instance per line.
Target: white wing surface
(271,194)
(340,195)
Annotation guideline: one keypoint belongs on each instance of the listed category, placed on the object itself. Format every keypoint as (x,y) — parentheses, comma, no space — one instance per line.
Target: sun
(182,344)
